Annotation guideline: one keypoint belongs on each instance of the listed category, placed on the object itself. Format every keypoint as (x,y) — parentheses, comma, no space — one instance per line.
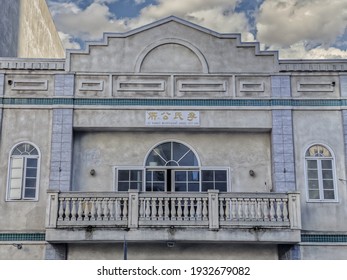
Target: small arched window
(320,174)
(23,173)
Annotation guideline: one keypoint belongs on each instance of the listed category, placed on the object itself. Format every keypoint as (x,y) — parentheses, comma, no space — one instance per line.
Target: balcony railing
(212,210)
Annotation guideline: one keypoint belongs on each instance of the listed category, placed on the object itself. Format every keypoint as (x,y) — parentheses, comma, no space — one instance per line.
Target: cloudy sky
(304,29)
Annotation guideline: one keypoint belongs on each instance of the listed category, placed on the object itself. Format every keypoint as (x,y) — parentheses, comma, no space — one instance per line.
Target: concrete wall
(180,251)
(324,252)
(27,30)
(28,251)
(103,151)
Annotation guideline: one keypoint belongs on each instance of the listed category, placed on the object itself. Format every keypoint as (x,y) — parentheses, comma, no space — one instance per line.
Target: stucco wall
(324,252)
(28,251)
(180,251)
(103,151)
(22,125)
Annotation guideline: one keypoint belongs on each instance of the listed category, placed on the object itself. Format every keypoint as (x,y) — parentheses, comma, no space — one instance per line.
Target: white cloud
(286,22)
(68,41)
(138,2)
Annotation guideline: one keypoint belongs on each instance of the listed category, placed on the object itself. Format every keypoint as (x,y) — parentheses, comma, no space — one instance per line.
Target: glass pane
(158,187)
(329,194)
(180,176)
(179,150)
(327,174)
(31,172)
(313,194)
(312,184)
(158,176)
(327,164)
(193,187)
(155,160)
(31,162)
(123,186)
(123,175)
(136,175)
(207,175)
(30,183)
(222,187)
(207,186)
(148,175)
(29,193)
(193,175)
(312,164)
(180,187)
(135,185)
(164,150)
(312,174)
(189,160)
(318,151)
(148,187)
(328,184)
(221,175)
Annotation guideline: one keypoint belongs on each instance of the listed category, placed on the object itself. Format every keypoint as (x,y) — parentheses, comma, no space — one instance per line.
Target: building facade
(183,142)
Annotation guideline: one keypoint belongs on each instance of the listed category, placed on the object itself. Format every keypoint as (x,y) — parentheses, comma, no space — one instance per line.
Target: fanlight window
(23,173)
(172,154)
(320,174)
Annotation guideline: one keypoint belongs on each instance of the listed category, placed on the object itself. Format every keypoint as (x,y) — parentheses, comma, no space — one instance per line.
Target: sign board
(172,118)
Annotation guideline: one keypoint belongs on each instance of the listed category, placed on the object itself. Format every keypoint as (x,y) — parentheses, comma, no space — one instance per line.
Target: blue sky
(307,29)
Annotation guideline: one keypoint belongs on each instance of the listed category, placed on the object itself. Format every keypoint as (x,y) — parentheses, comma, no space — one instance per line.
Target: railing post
(52,209)
(213,209)
(294,210)
(133,209)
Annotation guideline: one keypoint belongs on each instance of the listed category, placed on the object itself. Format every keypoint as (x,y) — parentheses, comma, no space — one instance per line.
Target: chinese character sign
(172,118)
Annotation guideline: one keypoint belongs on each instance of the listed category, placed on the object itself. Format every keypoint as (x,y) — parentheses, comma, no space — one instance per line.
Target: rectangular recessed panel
(141,85)
(202,86)
(326,87)
(29,85)
(252,86)
(91,85)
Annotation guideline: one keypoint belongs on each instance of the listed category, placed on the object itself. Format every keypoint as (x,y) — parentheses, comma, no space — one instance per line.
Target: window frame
(127,168)
(318,160)
(24,175)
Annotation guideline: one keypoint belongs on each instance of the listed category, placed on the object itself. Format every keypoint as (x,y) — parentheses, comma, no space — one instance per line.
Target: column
(282,141)
(55,251)
(343,90)
(289,252)
(2,88)
(62,137)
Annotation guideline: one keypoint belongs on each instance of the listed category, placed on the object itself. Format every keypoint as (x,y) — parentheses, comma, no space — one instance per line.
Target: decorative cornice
(32,64)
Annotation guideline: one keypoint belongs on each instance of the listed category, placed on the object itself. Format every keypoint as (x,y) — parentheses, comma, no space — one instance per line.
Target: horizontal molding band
(22,236)
(322,238)
(176,102)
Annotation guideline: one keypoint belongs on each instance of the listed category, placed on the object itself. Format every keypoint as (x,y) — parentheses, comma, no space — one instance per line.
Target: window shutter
(16,178)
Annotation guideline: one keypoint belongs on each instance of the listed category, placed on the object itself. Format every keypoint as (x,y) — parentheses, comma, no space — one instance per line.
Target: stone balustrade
(211,210)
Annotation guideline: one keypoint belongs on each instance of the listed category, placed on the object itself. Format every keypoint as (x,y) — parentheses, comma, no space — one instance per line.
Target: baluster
(272,210)
(221,210)
(198,209)
(105,209)
(240,210)
(285,210)
(125,209)
(148,209)
(259,213)
(227,209)
(81,203)
(160,209)
(233,208)
(67,209)
(99,209)
(266,209)
(246,208)
(278,210)
(73,210)
(204,209)
(167,209)
(192,209)
(154,209)
(185,210)
(142,209)
(93,210)
(118,210)
(179,210)
(173,209)
(112,209)
(61,212)
(253,209)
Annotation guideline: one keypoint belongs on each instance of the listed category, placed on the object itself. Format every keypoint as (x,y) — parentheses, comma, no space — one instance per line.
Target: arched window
(320,174)
(23,173)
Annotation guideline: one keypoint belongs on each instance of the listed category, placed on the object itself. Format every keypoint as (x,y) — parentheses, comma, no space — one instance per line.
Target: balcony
(204,217)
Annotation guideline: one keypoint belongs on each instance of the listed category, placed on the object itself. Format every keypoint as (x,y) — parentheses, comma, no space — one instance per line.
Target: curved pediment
(172,45)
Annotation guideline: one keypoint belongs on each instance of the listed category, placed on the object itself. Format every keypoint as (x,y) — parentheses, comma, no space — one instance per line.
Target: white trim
(333,171)
(217,168)
(37,175)
(115,175)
